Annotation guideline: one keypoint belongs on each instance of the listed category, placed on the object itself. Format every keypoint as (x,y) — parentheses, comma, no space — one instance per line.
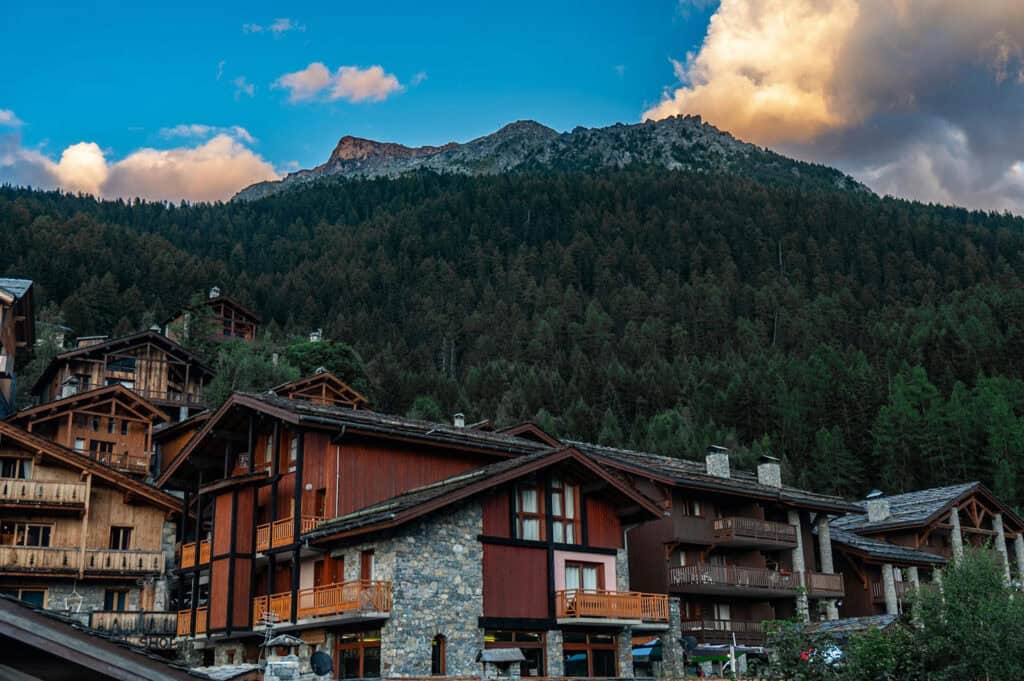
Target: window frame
(439,655)
(559,487)
(521,515)
(122,532)
(21,530)
(580,566)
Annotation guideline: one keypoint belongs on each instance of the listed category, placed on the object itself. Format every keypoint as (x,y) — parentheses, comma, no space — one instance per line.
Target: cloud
(197,130)
(220,68)
(620,70)
(278,27)
(350,83)
(418,78)
(243,87)
(8,119)
(210,171)
(913,96)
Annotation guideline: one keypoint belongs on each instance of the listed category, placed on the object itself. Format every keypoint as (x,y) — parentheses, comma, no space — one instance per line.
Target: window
(79,444)
(124,427)
(120,538)
(293,453)
(691,507)
(722,616)
(268,451)
(111,425)
(122,364)
(565,527)
(529,515)
(95,423)
(321,502)
(11,467)
(366,565)
(589,654)
(438,651)
(531,643)
(34,597)
(358,655)
(115,600)
(32,535)
(101,450)
(585,576)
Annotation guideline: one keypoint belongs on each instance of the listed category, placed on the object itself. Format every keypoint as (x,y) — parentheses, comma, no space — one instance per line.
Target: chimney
(459,420)
(717,459)
(316,336)
(769,472)
(878,506)
(215,292)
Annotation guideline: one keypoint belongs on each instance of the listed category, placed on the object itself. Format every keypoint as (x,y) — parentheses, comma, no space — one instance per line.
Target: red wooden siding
(244,521)
(496,514)
(242,605)
(603,526)
(218,613)
(515,581)
(222,522)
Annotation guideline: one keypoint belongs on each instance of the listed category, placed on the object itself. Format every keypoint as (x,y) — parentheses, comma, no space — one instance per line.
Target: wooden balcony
(281,532)
(722,631)
(358,596)
(734,580)
(42,494)
(188,554)
(56,560)
(613,605)
(903,589)
(822,585)
(134,625)
(751,532)
(122,461)
(185,622)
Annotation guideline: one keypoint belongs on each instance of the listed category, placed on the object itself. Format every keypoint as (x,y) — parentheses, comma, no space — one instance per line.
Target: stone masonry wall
(61,597)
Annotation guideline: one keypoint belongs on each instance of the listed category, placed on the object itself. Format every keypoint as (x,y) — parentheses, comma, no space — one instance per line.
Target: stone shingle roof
(882,550)
(15,287)
(686,473)
(850,625)
(907,509)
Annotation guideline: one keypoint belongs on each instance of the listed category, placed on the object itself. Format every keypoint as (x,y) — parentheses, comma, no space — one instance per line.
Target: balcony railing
(188,553)
(133,624)
(733,576)
(324,601)
(194,398)
(97,561)
(185,622)
(722,631)
(122,461)
(753,531)
(878,590)
(823,585)
(281,532)
(41,493)
(630,605)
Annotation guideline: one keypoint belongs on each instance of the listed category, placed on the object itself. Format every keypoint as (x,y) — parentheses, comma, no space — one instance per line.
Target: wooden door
(366,565)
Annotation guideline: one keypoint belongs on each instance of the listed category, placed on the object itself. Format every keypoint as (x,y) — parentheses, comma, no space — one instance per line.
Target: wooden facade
(323,387)
(228,319)
(17,332)
(149,364)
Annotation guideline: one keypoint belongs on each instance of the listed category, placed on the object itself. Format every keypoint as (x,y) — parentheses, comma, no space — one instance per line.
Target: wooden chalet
(17,331)
(403,547)
(899,541)
(147,363)
(231,320)
(736,548)
(112,425)
(323,387)
(77,535)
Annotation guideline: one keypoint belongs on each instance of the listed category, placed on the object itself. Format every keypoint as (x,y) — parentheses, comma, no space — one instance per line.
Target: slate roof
(911,508)
(882,550)
(693,474)
(15,287)
(850,625)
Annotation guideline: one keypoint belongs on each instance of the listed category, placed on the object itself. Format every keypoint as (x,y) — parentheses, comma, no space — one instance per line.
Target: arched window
(438,653)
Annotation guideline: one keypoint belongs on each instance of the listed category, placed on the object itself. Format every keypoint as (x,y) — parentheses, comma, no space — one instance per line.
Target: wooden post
(68,439)
(85,525)
(297,524)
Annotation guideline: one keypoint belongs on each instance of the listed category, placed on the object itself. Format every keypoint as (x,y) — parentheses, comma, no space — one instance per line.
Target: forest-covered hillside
(868,342)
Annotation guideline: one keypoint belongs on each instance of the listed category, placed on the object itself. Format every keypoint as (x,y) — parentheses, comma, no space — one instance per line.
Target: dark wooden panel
(222,522)
(496,513)
(515,581)
(242,605)
(648,569)
(218,612)
(283,577)
(603,526)
(318,472)
(244,521)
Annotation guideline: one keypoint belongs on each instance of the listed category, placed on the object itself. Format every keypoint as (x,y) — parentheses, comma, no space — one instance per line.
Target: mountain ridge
(674,143)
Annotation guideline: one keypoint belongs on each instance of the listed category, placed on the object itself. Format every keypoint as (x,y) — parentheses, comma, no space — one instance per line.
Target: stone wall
(60,597)
(553,653)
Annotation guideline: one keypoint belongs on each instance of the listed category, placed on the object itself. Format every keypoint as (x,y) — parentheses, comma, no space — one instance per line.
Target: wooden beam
(85,525)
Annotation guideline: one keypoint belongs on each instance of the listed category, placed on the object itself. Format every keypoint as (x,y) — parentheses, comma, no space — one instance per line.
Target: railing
(733,576)
(185,622)
(753,529)
(193,398)
(324,601)
(122,461)
(42,493)
(825,584)
(60,559)
(281,532)
(721,631)
(136,623)
(878,590)
(611,605)
(188,553)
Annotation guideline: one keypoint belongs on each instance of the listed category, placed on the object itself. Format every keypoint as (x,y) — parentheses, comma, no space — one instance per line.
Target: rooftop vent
(459,420)
(717,461)
(215,292)
(878,506)
(769,471)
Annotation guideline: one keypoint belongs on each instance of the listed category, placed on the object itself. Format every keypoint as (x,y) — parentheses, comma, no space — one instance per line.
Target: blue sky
(117,74)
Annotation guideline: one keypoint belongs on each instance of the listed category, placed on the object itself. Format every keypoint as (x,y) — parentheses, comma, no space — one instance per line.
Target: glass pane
(570,534)
(528,503)
(570,501)
(531,528)
(556,504)
(33,598)
(604,662)
(349,666)
(558,531)
(534,665)
(371,663)
(590,579)
(572,578)
(576,663)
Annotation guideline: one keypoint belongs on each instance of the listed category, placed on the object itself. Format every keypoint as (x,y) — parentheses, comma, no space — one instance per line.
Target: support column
(1004,556)
(625,645)
(892,604)
(800,568)
(673,663)
(957,537)
(553,653)
(915,583)
(827,564)
(1018,550)
(297,524)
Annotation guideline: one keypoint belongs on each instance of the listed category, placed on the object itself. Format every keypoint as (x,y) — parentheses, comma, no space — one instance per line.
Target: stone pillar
(892,604)
(1018,551)
(800,568)
(956,538)
(553,653)
(827,565)
(673,663)
(914,576)
(1004,556)
(625,643)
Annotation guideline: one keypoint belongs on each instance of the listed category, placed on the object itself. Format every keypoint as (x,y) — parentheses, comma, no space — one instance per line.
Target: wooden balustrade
(275,608)
(200,621)
(824,584)
(42,493)
(281,532)
(752,530)
(122,461)
(204,552)
(611,605)
(722,631)
(878,590)
(185,622)
(732,576)
(324,601)
(135,623)
(112,560)
(188,554)
(63,559)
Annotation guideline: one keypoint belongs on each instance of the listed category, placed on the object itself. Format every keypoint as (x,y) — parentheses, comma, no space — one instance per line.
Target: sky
(197,100)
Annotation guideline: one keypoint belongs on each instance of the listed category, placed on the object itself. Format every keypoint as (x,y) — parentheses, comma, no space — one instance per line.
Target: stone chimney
(769,471)
(878,506)
(459,420)
(717,460)
(316,336)
(215,292)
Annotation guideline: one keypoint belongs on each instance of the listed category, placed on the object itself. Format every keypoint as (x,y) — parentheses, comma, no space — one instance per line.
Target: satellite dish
(321,663)
(689,643)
